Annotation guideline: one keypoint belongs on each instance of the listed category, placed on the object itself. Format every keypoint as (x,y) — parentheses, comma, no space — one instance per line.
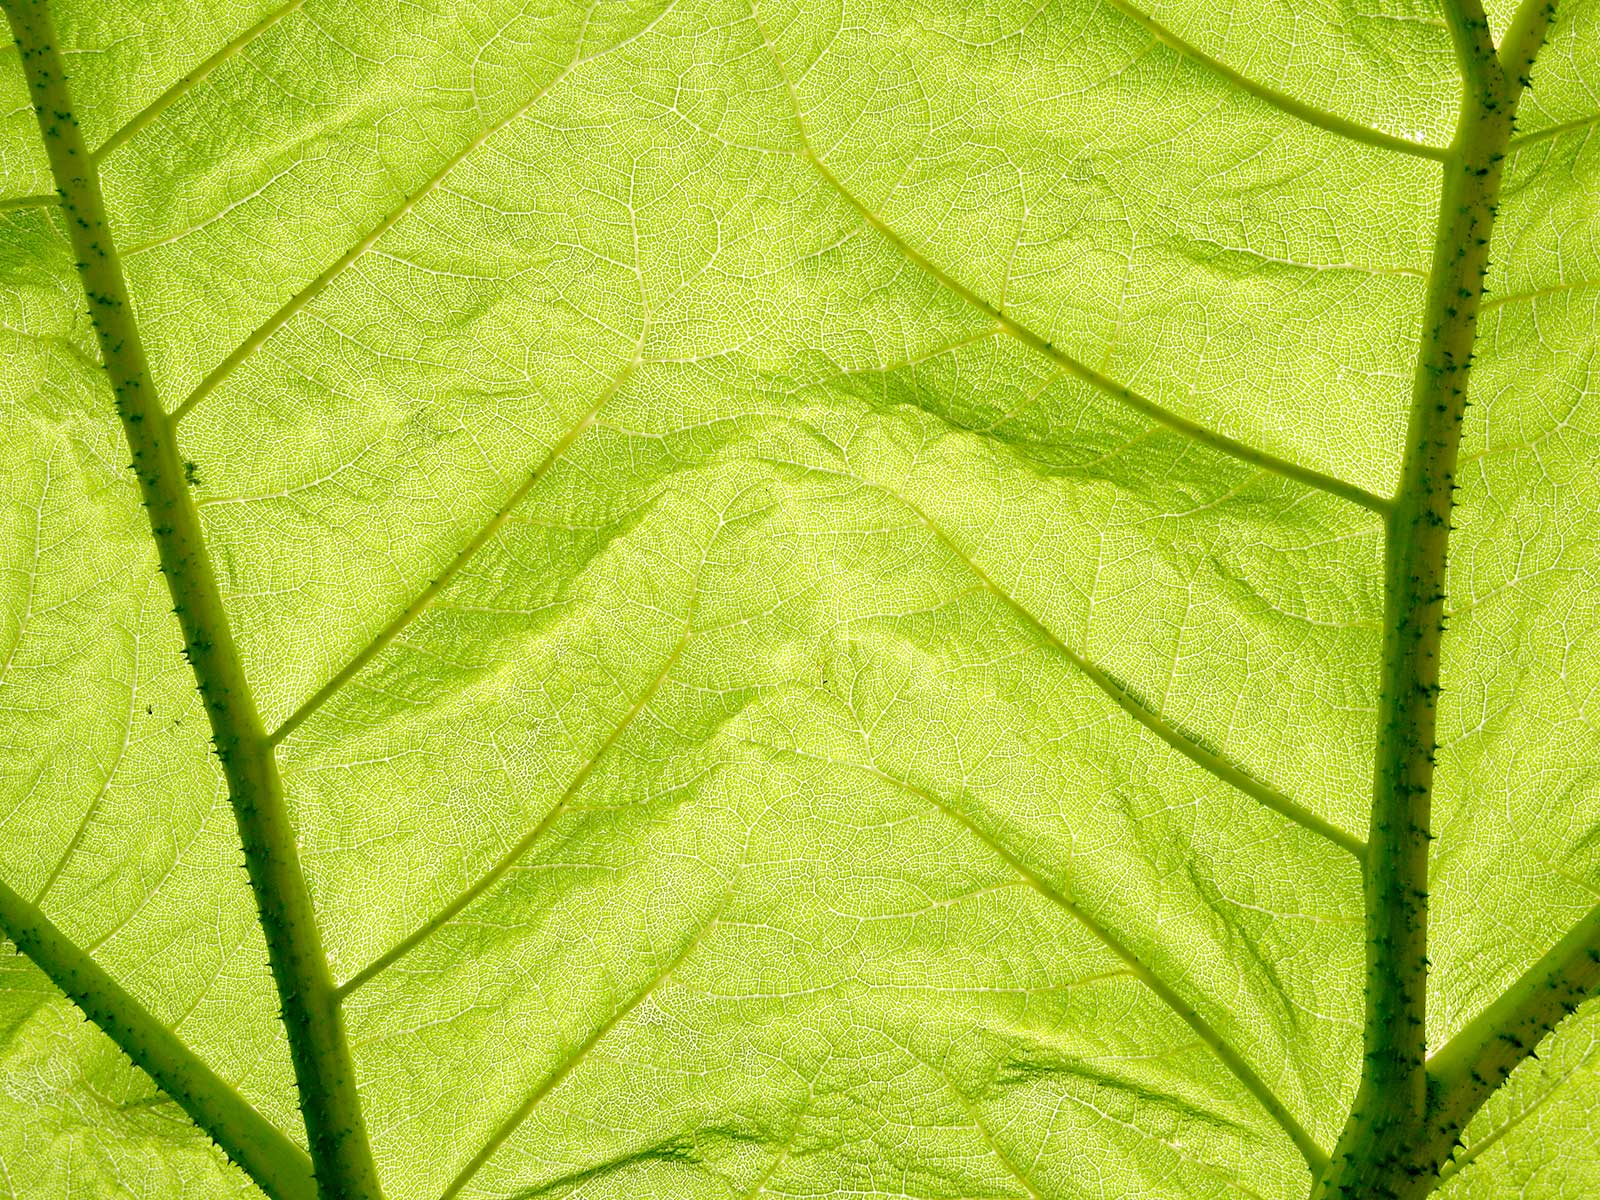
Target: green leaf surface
(814,573)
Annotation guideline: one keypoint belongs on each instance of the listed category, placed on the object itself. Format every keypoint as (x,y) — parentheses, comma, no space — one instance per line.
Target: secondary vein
(568,1064)
(424,598)
(1216,765)
(19,203)
(192,80)
(1230,1058)
(296,303)
(1208,760)
(1035,341)
(526,843)
(1284,103)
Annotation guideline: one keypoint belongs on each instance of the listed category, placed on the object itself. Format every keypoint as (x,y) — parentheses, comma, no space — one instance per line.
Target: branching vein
(526,843)
(474,544)
(568,1064)
(1284,103)
(1039,344)
(1314,1155)
(192,80)
(1215,764)
(317,286)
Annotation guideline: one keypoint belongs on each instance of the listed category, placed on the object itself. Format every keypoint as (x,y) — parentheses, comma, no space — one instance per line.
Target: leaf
(793,598)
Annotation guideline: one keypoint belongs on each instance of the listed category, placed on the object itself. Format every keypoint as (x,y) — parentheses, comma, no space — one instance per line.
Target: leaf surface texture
(814,569)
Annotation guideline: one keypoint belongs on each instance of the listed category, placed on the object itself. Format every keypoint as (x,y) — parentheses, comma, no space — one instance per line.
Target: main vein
(340,1155)
(1382,1149)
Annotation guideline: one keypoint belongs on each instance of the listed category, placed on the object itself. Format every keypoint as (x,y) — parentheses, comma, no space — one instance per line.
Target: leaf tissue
(716,599)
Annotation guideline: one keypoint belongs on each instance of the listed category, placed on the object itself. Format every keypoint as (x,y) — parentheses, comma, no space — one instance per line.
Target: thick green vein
(1382,1149)
(340,1155)
(1470,1154)
(281,1168)
(1036,342)
(1470,1066)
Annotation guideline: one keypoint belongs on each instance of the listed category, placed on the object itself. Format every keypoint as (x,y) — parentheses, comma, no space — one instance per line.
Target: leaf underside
(815,575)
